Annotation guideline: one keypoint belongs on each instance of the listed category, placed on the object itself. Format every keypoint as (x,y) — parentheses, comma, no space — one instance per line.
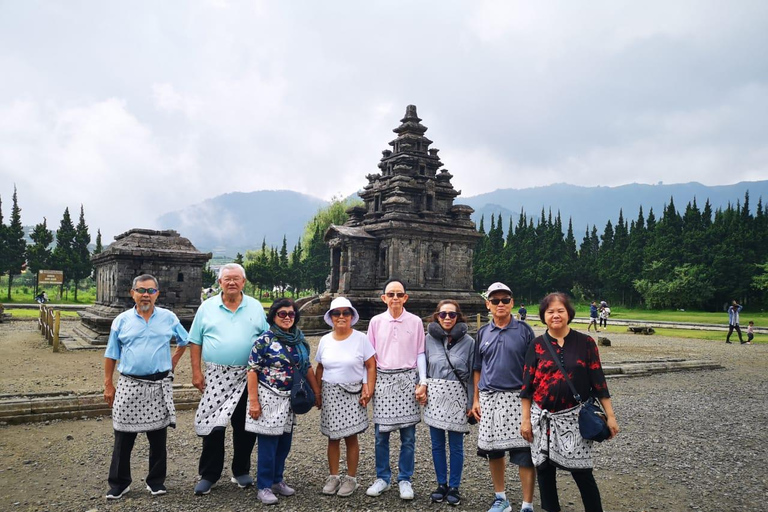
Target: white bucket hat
(341,302)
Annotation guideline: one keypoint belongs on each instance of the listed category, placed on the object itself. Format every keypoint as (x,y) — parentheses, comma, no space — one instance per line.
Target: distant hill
(589,206)
(236,222)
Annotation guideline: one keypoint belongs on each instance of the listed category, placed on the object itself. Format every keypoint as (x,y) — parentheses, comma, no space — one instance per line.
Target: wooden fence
(49,323)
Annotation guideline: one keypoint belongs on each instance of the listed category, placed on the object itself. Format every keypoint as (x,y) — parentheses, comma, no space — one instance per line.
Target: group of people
(505,380)
(733,324)
(598,316)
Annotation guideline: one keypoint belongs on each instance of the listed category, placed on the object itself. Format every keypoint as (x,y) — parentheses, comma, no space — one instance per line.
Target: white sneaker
(406,491)
(377,487)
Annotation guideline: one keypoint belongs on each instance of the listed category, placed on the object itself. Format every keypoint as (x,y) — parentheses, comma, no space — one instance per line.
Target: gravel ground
(689,441)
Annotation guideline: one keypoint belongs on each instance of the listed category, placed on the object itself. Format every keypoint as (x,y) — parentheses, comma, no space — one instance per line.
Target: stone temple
(409,228)
(171,258)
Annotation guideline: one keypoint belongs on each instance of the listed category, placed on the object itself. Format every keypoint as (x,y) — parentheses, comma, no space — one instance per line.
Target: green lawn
(704,317)
(35,313)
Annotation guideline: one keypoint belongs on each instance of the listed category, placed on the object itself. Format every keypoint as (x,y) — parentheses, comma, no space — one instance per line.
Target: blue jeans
(273,450)
(456,446)
(407,454)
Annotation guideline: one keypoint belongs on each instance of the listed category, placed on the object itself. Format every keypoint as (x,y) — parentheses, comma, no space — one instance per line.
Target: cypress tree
(82,256)
(63,256)
(39,252)
(15,246)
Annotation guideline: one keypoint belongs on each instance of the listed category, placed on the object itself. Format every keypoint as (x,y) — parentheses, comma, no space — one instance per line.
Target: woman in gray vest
(450,355)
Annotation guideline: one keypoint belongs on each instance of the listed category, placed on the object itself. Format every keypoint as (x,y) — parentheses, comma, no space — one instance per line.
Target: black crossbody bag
(592,419)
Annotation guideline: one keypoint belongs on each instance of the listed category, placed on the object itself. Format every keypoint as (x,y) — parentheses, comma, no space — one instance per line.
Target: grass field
(704,317)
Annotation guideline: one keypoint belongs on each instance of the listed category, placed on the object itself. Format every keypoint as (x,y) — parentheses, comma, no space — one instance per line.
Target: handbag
(592,419)
(471,418)
(302,395)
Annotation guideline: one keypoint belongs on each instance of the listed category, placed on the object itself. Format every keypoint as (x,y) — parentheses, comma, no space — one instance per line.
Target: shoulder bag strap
(448,358)
(548,343)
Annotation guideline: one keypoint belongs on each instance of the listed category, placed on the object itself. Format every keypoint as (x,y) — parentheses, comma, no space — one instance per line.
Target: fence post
(478,321)
(56,331)
(40,319)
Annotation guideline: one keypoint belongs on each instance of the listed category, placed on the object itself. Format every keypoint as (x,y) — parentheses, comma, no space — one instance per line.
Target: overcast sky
(138,108)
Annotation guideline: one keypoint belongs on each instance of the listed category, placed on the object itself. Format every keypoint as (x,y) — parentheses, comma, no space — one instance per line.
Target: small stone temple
(409,228)
(168,256)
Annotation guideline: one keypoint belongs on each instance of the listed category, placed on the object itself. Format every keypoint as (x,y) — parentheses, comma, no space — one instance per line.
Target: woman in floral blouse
(550,419)
(276,355)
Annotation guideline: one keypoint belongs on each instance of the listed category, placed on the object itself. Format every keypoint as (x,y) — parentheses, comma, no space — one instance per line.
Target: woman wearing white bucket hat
(347,369)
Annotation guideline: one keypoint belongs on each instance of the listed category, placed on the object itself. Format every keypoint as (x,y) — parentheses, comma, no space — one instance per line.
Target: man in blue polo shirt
(222,334)
(143,401)
(498,376)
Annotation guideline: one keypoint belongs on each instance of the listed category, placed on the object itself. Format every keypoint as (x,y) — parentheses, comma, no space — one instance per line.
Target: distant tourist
(278,357)
(522,312)
(605,312)
(550,410)
(143,401)
(592,316)
(347,369)
(498,376)
(222,334)
(750,332)
(733,321)
(398,338)
(450,356)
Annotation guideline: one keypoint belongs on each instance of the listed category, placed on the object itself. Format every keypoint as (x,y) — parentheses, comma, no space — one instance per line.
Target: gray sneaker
(282,489)
(242,481)
(348,486)
(332,484)
(267,497)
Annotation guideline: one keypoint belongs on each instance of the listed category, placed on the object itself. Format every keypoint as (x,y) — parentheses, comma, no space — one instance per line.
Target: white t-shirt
(344,361)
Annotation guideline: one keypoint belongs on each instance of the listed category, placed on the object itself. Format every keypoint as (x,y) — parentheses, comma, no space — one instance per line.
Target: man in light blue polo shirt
(143,401)
(222,334)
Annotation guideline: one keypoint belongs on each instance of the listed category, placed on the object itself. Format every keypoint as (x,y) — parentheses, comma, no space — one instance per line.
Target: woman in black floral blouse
(551,413)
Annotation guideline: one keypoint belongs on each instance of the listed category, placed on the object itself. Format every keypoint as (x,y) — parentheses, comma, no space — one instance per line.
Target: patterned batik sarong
(143,405)
(446,407)
(564,445)
(394,401)
(500,416)
(342,415)
(276,415)
(224,385)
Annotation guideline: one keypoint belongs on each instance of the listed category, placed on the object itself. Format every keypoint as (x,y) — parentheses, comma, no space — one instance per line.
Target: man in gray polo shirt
(498,376)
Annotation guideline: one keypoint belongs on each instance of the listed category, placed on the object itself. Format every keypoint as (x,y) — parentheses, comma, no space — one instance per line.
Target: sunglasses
(449,314)
(142,291)
(283,314)
(341,312)
(392,295)
(505,300)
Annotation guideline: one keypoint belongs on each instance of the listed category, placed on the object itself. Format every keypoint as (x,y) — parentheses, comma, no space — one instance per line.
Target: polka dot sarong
(276,415)
(394,400)
(224,385)
(564,444)
(500,415)
(143,405)
(342,415)
(446,407)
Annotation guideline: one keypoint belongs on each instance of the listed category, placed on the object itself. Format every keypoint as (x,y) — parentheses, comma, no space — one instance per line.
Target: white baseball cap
(497,287)
(341,302)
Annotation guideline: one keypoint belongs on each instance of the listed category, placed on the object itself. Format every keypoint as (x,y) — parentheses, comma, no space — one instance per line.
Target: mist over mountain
(238,221)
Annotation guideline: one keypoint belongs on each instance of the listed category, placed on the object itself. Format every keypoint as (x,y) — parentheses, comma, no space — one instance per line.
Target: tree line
(699,258)
(70,253)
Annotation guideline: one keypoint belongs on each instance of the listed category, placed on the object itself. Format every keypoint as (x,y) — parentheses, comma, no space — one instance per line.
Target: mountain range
(238,221)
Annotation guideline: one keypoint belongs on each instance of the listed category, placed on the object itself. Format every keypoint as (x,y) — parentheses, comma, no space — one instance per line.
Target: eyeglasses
(341,312)
(283,314)
(449,314)
(227,280)
(142,291)
(505,300)
(392,295)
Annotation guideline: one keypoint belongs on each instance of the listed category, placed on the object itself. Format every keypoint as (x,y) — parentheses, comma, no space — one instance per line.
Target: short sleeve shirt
(397,341)
(500,355)
(143,347)
(344,361)
(227,337)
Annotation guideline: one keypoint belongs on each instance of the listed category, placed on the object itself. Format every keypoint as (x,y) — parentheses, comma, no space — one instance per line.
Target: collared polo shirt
(397,341)
(227,337)
(143,347)
(500,355)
